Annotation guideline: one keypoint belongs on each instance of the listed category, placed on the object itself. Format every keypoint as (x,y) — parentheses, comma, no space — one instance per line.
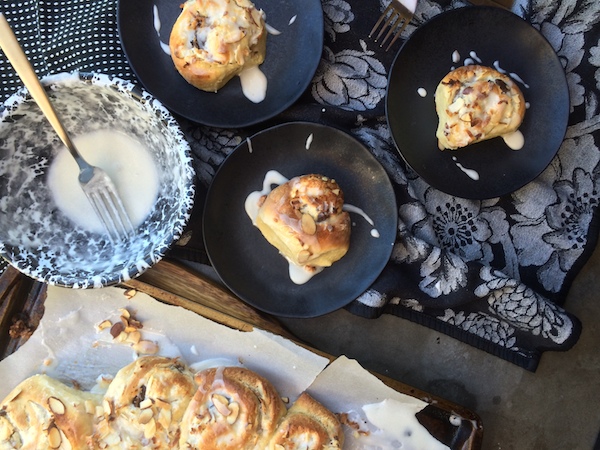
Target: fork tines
(108,206)
(398,17)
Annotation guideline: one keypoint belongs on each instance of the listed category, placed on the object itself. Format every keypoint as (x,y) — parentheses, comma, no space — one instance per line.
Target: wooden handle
(173,283)
(15,54)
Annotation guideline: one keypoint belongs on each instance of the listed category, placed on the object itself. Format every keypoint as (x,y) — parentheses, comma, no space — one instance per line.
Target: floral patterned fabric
(491,273)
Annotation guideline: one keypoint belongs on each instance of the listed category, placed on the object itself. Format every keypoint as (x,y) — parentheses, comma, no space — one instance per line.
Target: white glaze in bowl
(36,237)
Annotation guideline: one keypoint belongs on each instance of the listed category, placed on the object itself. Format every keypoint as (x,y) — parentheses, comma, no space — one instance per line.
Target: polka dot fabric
(62,36)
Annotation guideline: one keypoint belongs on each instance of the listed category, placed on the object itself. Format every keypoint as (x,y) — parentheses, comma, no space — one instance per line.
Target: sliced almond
(303,256)
(234,409)
(54,438)
(150,429)
(146,403)
(129,293)
(145,416)
(89,406)
(221,403)
(56,406)
(108,408)
(117,329)
(103,325)
(162,404)
(124,313)
(6,429)
(165,418)
(134,336)
(308,224)
(145,347)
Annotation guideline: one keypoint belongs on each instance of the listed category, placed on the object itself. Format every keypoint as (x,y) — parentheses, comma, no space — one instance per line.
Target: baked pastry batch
(159,403)
(213,41)
(475,103)
(304,219)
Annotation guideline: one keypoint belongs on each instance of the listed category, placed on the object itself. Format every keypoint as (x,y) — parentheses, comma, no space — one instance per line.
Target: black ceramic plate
(255,270)
(291,61)
(495,35)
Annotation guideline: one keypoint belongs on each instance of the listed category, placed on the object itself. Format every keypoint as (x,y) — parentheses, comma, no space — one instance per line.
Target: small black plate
(251,267)
(290,63)
(495,35)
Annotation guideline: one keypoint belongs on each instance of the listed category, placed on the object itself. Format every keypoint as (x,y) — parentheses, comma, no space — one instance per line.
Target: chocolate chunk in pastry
(144,404)
(234,408)
(214,40)
(43,413)
(304,219)
(475,103)
(308,425)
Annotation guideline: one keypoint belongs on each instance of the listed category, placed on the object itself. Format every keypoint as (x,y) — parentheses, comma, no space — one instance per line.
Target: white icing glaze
(126,161)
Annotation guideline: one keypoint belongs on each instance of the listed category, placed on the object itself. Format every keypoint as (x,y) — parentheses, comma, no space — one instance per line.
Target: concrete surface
(557,407)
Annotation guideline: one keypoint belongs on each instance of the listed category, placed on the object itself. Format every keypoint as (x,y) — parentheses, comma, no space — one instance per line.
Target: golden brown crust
(42,412)
(475,103)
(144,404)
(233,409)
(308,425)
(304,220)
(214,40)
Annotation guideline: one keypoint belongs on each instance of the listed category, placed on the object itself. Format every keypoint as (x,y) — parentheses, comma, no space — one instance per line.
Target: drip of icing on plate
(298,274)
(253,80)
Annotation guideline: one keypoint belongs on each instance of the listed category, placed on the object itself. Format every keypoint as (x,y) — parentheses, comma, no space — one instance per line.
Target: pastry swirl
(43,413)
(144,404)
(304,219)
(233,409)
(214,40)
(475,103)
(308,425)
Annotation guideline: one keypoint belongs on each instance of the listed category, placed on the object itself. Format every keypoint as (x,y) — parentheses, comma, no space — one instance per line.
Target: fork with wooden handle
(96,184)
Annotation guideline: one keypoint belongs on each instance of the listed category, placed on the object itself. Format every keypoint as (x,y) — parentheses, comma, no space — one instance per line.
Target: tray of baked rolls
(173,360)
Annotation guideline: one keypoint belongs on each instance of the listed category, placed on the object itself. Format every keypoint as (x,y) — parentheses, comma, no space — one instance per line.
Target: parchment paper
(69,345)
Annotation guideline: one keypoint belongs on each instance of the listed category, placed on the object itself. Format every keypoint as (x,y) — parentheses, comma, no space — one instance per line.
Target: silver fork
(394,19)
(96,184)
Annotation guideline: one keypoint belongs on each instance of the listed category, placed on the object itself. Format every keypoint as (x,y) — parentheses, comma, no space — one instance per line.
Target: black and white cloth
(491,273)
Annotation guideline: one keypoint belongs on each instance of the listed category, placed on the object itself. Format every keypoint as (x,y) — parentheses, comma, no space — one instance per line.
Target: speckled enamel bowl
(40,240)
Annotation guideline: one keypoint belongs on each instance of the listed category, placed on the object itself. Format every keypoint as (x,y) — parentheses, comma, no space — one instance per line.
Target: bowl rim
(125,270)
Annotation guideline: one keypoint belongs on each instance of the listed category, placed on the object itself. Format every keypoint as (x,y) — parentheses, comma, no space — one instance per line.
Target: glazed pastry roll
(212,41)
(233,409)
(43,413)
(308,425)
(304,219)
(144,404)
(475,103)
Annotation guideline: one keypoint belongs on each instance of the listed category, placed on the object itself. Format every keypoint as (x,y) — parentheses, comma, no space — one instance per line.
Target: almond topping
(221,403)
(145,347)
(145,416)
(107,407)
(124,313)
(234,409)
(54,438)
(164,418)
(104,324)
(5,429)
(303,256)
(134,337)
(308,224)
(146,403)
(90,408)
(162,404)
(56,406)
(129,293)
(150,429)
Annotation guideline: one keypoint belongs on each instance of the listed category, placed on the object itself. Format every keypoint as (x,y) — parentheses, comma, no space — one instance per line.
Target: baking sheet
(69,345)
